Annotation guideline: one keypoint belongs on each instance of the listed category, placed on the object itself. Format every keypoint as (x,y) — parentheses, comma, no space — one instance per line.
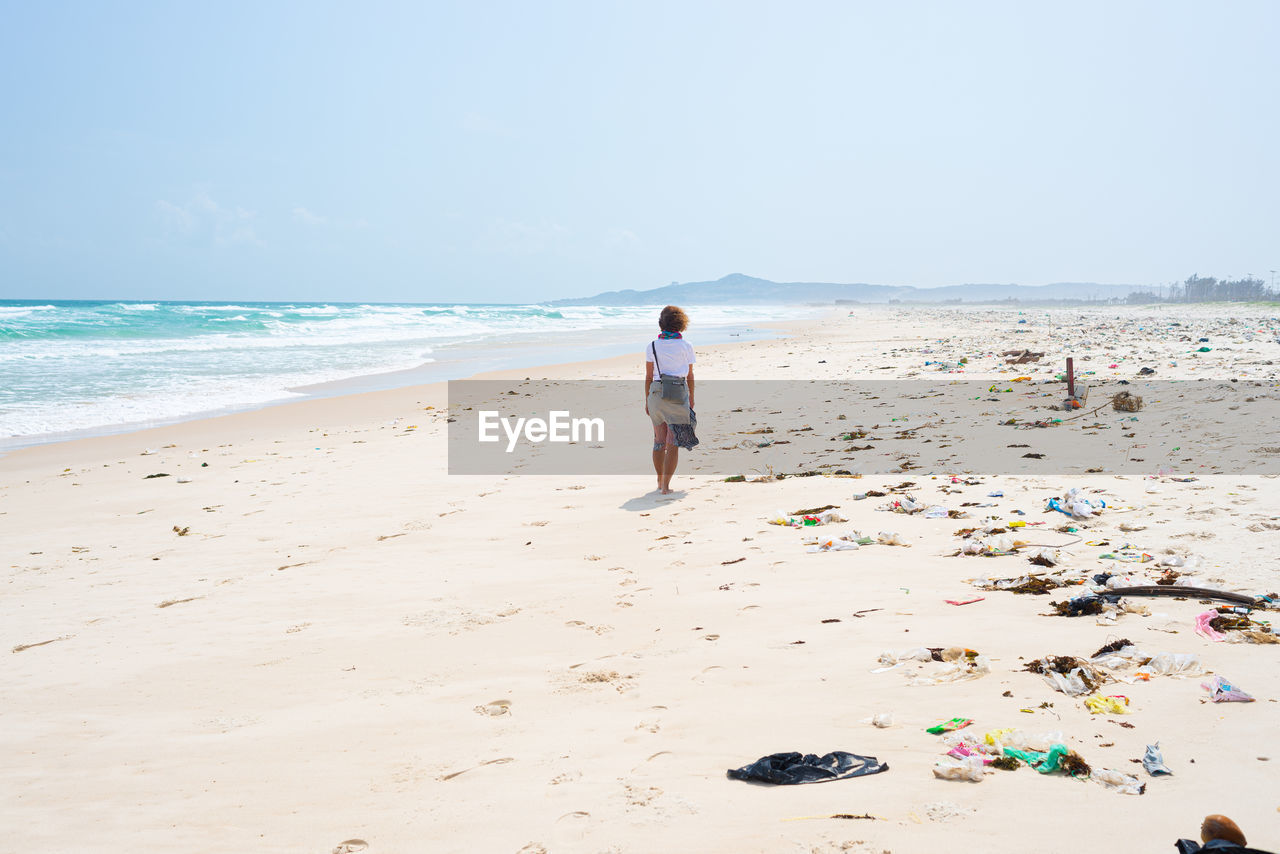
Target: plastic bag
(963,768)
(1116,781)
(1172,664)
(1071,684)
(1222,691)
(1039,742)
(1153,761)
(842,543)
(1099,705)
(890,538)
(1205,630)
(953,671)
(891,659)
(1045,763)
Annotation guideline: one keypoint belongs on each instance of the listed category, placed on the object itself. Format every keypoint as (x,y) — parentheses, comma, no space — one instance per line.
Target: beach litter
(949,726)
(971,768)
(1117,781)
(1068,674)
(1153,761)
(1115,704)
(1074,504)
(1222,691)
(790,769)
(936,665)
(807,520)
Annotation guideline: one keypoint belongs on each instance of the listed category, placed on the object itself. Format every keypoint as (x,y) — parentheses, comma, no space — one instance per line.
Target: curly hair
(673,319)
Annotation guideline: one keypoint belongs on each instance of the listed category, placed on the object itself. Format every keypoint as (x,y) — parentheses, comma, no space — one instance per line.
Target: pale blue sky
(529,150)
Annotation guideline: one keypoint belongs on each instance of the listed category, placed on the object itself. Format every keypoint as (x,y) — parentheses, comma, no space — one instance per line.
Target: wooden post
(1071,377)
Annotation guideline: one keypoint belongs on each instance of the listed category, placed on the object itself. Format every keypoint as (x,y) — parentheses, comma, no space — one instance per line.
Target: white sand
(314,660)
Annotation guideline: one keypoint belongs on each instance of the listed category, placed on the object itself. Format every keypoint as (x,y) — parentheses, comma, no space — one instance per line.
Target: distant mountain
(739,288)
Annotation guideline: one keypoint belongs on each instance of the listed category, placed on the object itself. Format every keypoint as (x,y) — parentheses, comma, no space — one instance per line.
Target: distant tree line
(1207,289)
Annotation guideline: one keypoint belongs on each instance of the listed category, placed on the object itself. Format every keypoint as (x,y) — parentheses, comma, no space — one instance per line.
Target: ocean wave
(87,365)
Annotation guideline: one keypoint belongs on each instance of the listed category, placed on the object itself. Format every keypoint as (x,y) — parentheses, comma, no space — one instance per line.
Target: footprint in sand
(350,846)
(494,709)
(503,761)
(572,827)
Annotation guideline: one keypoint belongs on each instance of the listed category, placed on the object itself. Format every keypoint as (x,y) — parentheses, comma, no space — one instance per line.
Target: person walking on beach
(668,384)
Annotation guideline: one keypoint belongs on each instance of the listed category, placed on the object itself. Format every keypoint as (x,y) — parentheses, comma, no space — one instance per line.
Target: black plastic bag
(790,769)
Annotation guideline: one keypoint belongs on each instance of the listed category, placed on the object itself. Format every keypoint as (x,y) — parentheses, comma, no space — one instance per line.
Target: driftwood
(1178,590)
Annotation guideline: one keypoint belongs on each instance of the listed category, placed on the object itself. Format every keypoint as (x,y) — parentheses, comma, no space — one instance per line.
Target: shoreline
(326,408)
(490,357)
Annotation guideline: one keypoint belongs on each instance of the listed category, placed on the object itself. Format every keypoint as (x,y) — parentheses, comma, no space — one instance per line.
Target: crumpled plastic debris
(1153,761)
(789,769)
(827,517)
(1204,629)
(953,671)
(1173,664)
(1222,691)
(1074,504)
(1251,636)
(837,543)
(1043,556)
(1045,763)
(1109,705)
(891,659)
(1075,682)
(953,664)
(1117,781)
(908,505)
(966,768)
(999,739)
(989,545)
(890,538)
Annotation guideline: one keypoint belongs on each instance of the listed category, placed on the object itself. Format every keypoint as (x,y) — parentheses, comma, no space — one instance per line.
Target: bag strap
(653,347)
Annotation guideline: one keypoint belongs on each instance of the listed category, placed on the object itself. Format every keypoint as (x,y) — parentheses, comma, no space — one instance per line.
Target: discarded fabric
(790,769)
(1153,761)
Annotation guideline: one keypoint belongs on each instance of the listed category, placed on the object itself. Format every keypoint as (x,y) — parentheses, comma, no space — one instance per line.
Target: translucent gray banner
(753,428)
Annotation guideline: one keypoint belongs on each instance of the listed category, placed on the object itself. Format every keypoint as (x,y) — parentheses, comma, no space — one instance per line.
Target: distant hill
(738,288)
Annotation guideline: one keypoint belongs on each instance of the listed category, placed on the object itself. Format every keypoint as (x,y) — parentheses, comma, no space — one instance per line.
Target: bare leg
(659,438)
(669,462)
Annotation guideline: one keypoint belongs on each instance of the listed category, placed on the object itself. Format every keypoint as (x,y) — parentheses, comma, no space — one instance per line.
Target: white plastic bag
(967,768)
(1116,781)
(1173,664)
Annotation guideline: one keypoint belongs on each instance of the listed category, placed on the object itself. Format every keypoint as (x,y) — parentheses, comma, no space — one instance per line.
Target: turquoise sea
(88,367)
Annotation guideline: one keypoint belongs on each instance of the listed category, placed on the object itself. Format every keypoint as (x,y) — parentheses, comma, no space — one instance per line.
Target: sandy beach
(306,633)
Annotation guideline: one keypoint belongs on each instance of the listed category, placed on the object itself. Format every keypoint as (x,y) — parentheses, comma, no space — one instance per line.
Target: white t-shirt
(675,356)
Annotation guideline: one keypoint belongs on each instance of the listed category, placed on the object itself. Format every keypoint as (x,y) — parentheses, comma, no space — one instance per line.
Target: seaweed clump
(1114,646)
(1006,763)
(1233,622)
(1037,586)
(1077,607)
(1064,664)
(1073,763)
